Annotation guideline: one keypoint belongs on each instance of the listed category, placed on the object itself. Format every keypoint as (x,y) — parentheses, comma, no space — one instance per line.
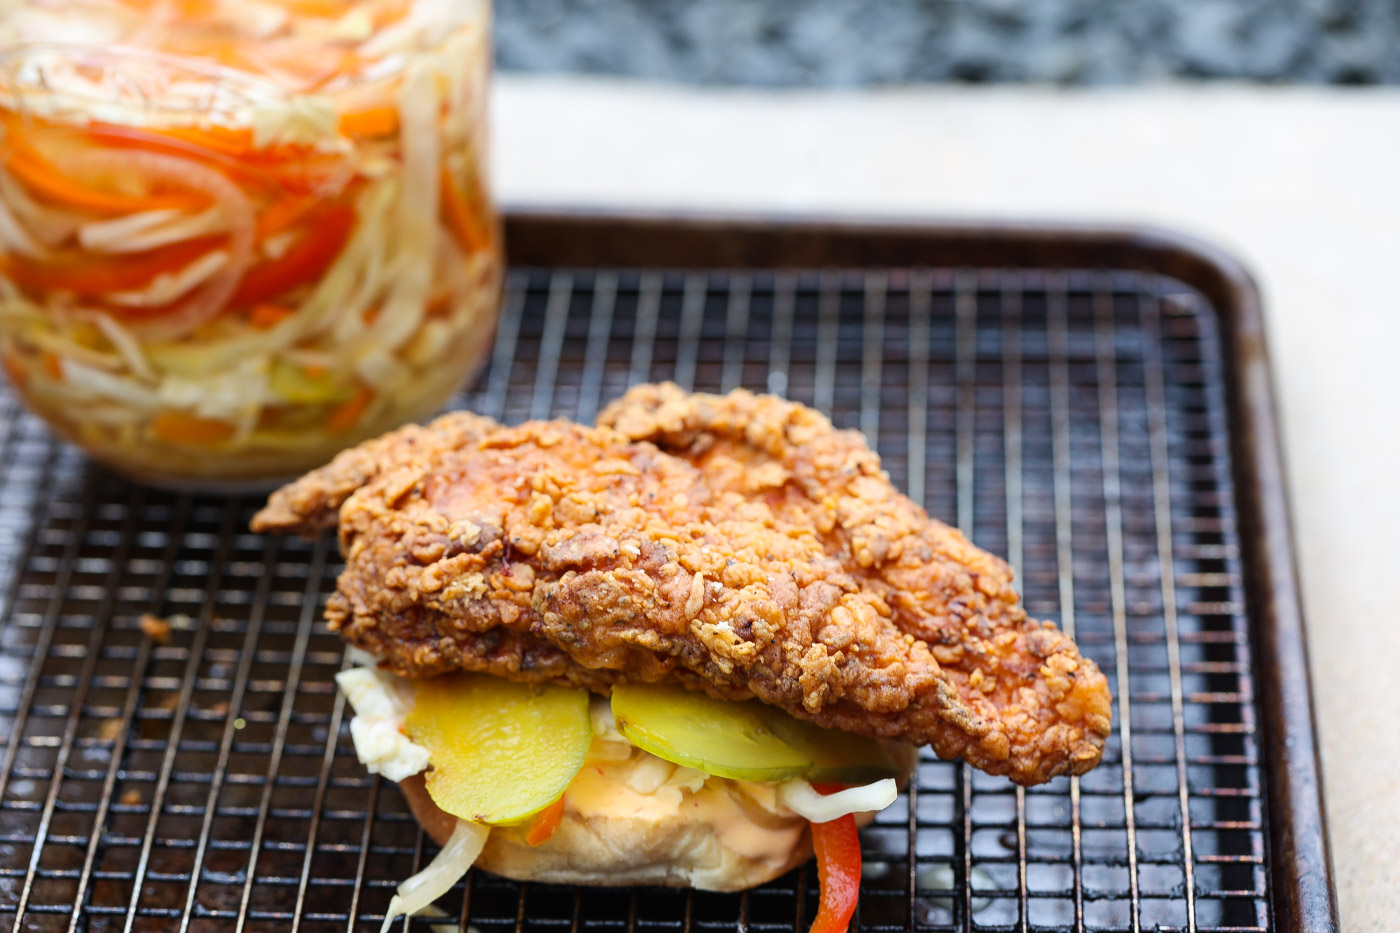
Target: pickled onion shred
(449,867)
(804,800)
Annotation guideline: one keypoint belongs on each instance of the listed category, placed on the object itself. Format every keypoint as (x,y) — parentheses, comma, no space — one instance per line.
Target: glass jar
(237,236)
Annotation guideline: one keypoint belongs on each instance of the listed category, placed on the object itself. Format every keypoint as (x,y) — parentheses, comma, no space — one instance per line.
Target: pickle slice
(721,737)
(500,751)
(744,740)
(837,757)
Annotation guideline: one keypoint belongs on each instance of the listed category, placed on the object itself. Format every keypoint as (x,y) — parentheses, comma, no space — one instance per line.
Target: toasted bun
(671,847)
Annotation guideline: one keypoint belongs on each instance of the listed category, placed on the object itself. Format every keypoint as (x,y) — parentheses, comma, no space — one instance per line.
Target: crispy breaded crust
(757,552)
(312,504)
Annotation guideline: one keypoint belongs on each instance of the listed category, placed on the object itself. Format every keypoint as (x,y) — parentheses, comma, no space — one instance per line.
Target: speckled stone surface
(862,42)
(1299,184)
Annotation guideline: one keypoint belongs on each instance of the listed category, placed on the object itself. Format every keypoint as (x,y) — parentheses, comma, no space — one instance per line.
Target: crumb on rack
(156,628)
(110,729)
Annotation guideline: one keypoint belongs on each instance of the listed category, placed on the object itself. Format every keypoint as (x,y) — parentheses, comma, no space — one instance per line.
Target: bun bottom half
(670,849)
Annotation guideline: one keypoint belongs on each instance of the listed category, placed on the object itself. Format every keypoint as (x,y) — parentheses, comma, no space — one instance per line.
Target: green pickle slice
(500,751)
(743,740)
(721,737)
(838,757)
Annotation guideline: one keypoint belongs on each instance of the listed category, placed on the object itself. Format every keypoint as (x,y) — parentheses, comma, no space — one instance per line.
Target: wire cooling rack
(1072,420)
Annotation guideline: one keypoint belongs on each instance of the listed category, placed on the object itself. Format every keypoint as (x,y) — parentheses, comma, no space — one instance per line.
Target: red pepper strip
(546,823)
(283,214)
(327,230)
(837,845)
(86,274)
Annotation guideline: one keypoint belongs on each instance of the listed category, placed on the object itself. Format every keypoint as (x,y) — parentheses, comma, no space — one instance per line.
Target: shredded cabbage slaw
(237,236)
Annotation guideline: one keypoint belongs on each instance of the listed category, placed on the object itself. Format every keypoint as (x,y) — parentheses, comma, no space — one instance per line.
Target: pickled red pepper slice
(545,823)
(88,274)
(837,845)
(327,230)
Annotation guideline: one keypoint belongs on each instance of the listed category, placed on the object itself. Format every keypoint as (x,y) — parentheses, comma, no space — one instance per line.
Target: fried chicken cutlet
(736,544)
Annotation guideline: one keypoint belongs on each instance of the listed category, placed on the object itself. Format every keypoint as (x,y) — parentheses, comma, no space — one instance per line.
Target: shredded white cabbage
(430,344)
(355,25)
(168,286)
(107,386)
(376,728)
(803,799)
(304,119)
(372,693)
(76,90)
(608,743)
(381,369)
(450,866)
(14,237)
(257,17)
(149,229)
(126,345)
(418,208)
(383,749)
(359,657)
(229,394)
(423,15)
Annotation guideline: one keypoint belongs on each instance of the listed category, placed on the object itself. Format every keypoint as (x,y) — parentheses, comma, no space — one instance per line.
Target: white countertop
(1302,185)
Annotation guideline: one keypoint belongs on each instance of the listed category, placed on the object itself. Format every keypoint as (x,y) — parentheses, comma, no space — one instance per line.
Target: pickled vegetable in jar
(237,236)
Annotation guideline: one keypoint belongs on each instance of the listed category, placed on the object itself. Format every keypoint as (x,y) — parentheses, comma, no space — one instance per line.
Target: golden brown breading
(767,556)
(942,588)
(312,503)
(939,586)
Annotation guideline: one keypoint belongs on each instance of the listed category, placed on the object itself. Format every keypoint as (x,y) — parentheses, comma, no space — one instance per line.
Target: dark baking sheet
(1093,404)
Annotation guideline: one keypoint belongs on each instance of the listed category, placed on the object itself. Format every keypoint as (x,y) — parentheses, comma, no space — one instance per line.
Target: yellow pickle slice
(500,751)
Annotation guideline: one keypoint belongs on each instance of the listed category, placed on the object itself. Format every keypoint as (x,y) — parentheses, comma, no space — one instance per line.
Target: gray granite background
(842,43)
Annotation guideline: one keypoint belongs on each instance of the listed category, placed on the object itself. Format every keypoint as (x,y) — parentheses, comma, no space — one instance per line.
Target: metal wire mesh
(1073,421)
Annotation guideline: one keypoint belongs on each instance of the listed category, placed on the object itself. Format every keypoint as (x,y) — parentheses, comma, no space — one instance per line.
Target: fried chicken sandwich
(687,646)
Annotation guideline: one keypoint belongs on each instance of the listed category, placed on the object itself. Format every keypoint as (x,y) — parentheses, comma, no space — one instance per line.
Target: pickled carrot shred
(345,416)
(177,427)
